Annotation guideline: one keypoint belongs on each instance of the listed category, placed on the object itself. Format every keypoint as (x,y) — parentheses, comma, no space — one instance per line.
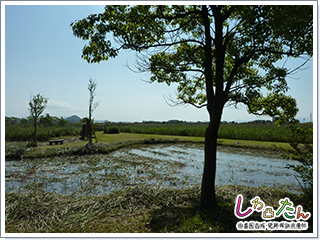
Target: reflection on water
(169,166)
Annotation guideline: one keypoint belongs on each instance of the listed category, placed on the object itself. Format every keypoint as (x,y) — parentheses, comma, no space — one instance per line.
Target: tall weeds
(246,131)
(17,132)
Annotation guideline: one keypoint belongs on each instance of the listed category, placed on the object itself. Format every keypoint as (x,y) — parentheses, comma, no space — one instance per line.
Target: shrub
(32,144)
(112,129)
(43,136)
(304,154)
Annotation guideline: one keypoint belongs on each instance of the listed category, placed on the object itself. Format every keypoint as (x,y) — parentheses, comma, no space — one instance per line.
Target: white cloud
(52,104)
(65,109)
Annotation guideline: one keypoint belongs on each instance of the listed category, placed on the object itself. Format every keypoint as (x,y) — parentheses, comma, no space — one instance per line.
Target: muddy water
(169,166)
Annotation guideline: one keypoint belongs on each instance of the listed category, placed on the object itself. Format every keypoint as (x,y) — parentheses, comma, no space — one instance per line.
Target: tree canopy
(175,40)
(217,55)
(37,106)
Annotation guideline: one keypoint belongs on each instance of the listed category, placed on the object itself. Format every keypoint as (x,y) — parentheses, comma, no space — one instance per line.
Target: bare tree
(92,106)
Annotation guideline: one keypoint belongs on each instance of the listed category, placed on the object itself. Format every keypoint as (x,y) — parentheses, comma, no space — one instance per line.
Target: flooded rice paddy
(168,166)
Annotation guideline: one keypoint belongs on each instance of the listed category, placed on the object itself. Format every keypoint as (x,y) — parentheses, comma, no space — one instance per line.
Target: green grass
(114,138)
(123,137)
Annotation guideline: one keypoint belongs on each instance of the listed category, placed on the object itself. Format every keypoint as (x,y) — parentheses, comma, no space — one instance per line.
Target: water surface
(168,166)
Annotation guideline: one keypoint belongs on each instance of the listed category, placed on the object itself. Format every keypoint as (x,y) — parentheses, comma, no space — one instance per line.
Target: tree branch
(145,47)
(174,103)
(238,63)
(208,62)
(251,111)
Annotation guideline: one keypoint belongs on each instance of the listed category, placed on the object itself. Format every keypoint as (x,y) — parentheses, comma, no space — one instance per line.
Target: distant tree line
(22,129)
(46,120)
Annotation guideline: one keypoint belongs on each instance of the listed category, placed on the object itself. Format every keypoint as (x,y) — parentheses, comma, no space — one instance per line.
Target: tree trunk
(35,130)
(208,196)
(215,103)
(89,121)
(89,129)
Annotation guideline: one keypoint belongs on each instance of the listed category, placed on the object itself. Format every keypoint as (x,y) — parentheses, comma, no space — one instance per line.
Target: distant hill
(73,119)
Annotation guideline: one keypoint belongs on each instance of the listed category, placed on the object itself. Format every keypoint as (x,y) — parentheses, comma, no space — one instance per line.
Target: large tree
(218,55)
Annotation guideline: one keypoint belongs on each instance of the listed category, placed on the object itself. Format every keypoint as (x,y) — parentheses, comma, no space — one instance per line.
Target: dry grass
(138,209)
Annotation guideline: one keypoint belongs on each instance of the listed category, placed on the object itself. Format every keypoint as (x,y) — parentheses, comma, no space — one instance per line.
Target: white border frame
(161,235)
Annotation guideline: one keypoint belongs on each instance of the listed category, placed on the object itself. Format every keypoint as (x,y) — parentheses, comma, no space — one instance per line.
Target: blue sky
(43,56)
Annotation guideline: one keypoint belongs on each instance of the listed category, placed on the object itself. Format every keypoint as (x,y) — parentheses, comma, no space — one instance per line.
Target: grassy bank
(138,209)
(110,142)
(260,145)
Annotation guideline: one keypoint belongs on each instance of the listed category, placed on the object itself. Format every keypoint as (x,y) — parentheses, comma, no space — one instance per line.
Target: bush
(304,154)
(112,129)
(32,144)
(43,136)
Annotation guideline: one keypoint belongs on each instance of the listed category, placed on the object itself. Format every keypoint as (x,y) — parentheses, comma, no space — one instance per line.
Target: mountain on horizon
(73,119)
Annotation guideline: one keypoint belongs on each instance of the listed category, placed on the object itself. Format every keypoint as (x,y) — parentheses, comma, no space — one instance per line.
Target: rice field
(146,188)
(178,166)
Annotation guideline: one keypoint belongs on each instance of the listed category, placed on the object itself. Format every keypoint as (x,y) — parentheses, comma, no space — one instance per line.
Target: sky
(43,56)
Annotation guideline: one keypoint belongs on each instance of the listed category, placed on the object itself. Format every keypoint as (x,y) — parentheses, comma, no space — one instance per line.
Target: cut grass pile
(137,209)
